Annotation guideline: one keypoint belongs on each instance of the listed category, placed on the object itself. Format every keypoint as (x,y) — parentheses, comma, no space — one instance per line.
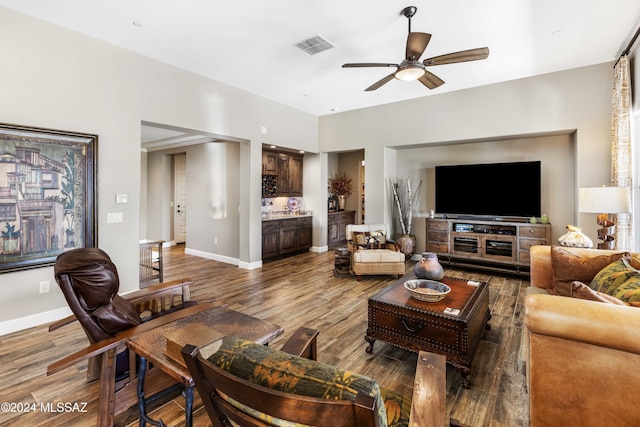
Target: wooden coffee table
(150,347)
(401,320)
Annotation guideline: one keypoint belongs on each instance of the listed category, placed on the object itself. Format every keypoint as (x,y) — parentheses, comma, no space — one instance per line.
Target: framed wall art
(47,195)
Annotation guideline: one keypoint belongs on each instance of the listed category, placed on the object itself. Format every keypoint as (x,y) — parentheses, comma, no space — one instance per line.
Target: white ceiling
(250,44)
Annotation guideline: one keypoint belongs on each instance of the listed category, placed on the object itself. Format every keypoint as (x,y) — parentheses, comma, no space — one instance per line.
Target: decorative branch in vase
(404,198)
(341,186)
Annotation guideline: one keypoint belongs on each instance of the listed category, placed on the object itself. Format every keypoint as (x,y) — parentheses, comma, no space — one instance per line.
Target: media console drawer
(531,231)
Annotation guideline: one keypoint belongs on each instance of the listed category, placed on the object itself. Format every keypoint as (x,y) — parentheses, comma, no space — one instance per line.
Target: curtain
(621,149)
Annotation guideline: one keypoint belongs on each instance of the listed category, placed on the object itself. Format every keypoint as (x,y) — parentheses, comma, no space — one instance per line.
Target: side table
(222,321)
(342,262)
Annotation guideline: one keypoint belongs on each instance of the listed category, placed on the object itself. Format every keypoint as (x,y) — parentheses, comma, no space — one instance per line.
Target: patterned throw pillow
(370,239)
(282,371)
(620,280)
(568,267)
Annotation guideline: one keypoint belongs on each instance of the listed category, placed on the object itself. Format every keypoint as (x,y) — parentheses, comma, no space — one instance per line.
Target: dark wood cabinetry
(284,237)
(270,235)
(269,163)
(494,245)
(337,224)
(287,169)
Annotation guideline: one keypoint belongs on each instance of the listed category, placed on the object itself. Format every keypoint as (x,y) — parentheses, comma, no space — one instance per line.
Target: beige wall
(556,154)
(55,78)
(575,102)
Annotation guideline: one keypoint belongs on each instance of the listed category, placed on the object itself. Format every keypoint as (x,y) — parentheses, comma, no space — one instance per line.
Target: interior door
(180,196)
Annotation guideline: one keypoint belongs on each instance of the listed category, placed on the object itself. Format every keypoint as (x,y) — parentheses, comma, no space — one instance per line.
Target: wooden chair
(89,282)
(151,267)
(215,386)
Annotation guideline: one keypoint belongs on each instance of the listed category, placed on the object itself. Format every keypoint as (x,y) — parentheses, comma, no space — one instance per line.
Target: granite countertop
(271,216)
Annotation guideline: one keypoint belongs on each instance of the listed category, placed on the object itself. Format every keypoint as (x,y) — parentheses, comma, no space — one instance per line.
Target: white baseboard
(37,319)
(250,265)
(319,249)
(215,257)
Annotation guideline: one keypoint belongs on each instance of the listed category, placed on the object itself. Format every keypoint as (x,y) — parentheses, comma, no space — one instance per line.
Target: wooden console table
(222,321)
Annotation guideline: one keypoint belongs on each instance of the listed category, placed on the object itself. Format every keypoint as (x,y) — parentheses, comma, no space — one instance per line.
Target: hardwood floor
(290,292)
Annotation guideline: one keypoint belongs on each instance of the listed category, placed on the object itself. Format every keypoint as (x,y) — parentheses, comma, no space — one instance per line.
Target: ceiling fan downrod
(408,12)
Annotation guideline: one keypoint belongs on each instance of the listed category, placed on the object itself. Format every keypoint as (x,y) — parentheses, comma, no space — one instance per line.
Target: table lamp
(604,201)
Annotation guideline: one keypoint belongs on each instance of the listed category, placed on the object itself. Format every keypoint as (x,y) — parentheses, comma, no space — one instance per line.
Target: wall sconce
(604,201)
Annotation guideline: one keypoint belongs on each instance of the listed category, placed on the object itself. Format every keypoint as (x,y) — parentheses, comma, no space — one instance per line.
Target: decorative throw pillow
(370,239)
(583,291)
(568,267)
(629,292)
(282,371)
(620,280)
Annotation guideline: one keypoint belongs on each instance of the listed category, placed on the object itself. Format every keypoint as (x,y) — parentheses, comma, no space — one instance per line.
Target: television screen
(492,189)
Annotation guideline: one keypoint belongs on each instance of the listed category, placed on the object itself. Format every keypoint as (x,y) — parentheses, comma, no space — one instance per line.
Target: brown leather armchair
(89,281)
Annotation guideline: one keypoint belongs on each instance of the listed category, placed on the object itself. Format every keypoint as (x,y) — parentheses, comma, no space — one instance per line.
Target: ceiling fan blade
(416,44)
(430,80)
(368,64)
(462,56)
(380,82)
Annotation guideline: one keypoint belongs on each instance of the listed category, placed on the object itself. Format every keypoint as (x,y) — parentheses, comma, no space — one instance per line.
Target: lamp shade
(610,200)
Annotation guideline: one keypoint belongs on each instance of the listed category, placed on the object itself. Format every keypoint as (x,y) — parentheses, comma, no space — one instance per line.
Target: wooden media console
(493,245)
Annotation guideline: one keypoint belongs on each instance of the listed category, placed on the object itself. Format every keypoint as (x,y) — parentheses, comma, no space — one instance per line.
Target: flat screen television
(490,189)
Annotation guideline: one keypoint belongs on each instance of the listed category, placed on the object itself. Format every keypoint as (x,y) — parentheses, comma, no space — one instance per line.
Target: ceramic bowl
(427,290)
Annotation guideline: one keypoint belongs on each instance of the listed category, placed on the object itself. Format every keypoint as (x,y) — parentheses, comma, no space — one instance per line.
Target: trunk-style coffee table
(399,319)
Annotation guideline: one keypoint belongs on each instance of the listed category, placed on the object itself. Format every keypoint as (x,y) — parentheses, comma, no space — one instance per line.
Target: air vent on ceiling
(314,44)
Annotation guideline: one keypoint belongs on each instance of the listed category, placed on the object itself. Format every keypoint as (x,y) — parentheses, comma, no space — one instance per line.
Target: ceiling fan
(411,68)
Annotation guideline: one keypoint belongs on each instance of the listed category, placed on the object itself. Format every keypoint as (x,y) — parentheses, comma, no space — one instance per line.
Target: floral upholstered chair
(372,252)
(248,384)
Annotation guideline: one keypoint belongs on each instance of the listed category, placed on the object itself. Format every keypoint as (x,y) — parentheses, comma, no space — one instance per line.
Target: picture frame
(47,195)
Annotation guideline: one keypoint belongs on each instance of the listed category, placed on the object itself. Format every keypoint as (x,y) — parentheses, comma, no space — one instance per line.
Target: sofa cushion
(568,267)
(282,371)
(378,255)
(620,280)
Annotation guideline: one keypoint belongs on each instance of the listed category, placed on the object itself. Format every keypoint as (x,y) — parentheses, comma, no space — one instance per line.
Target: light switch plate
(114,217)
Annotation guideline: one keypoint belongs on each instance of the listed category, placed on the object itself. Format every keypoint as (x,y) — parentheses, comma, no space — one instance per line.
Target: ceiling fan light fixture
(409,72)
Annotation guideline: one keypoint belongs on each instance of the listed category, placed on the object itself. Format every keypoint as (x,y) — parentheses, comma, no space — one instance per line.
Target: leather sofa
(582,354)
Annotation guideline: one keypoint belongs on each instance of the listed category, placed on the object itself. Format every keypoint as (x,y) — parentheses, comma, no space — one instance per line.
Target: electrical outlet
(215,240)
(44,286)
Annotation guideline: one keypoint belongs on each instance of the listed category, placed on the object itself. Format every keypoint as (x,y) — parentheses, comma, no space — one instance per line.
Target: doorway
(180,198)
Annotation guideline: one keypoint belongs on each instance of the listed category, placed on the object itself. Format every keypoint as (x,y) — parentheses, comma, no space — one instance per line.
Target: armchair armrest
(303,343)
(429,400)
(101,347)
(145,298)
(601,324)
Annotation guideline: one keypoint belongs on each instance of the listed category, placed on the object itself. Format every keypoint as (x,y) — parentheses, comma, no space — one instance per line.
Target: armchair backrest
(89,281)
(365,228)
(219,389)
